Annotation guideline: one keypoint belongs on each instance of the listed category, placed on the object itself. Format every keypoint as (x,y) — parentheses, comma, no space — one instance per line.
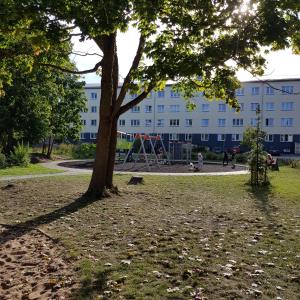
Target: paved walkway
(75,171)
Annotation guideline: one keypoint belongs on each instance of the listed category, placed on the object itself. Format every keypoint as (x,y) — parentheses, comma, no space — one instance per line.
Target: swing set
(148,142)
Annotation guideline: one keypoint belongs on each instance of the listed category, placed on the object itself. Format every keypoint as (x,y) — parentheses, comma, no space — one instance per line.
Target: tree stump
(136,180)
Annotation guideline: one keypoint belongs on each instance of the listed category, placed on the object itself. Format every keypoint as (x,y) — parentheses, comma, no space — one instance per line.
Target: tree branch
(135,64)
(96,67)
(81,53)
(136,100)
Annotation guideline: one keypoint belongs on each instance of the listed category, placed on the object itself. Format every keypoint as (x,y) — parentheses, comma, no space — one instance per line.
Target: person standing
(200,161)
(225,158)
(233,159)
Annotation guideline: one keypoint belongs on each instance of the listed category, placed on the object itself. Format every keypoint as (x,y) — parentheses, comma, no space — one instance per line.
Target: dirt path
(32,266)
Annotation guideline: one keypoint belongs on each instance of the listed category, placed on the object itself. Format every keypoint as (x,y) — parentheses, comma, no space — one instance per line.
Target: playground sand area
(33,266)
(161,168)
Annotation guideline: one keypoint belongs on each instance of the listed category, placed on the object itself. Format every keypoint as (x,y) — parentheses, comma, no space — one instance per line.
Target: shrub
(3,161)
(20,156)
(64,149)
(84,151)
(241,158)
(293,163)
(212,156)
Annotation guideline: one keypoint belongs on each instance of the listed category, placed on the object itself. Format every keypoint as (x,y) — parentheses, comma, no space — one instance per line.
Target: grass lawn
(30,170)
(173,237)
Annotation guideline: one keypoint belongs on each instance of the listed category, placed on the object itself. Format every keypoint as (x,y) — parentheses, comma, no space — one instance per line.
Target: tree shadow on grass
(262,196)
(15,231)
(92,285)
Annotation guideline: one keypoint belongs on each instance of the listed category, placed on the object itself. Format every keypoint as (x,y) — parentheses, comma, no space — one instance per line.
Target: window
(269,138)
(287,89)
(148,123)
(174,94)
(221,122)
(221,137)
(94,109)
(242,106)
(204,137)
(82,136)
(160,108)
(286,122)
(161,94)
(253,122)
(287,106)
(286,138)
(188,122)
(174,136)
(83,122)
(135,109)
(93,122)
(269,122)
(148,108)
(237,122)
(174,108)
(121,122)
(255,90)
(240,92)
(174,122)
(160,123)
(222,107)
(270,106)
(204,122)
(93,96)
(205,107)
(269,90)
(135,123)
(93,135)
(236,137)
(254,106)
(188,137)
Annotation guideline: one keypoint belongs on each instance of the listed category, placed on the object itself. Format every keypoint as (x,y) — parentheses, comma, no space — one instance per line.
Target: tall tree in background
(198,44)
(41,105)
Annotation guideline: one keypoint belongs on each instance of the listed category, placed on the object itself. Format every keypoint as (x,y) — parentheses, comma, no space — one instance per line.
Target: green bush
(241,158)
(20,156)
(294,163)
(84,150)
(3,161)
(212,156)
(64,149)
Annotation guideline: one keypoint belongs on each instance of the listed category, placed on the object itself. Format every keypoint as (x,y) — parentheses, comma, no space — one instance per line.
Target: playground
(146,153)
(175,167)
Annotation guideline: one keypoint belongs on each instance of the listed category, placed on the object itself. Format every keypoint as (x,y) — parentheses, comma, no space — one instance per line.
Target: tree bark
(112,154)
(98,183)
(50,146)
(44,147)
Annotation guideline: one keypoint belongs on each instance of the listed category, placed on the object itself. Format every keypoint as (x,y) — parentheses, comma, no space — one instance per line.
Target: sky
(280,64)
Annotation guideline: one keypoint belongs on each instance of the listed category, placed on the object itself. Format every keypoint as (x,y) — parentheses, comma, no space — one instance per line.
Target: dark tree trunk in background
(44,147)
(50,146)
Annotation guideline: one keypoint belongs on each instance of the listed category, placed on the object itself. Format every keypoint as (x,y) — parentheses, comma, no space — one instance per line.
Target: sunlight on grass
(30,170)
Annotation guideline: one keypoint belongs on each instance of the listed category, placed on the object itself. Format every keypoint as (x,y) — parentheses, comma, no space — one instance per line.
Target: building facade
(212,124)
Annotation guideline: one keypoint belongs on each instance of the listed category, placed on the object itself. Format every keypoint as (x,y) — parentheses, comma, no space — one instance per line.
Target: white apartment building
(213,123)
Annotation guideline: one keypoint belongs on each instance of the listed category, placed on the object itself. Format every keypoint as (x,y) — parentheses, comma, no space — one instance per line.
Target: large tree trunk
(98,184)
(112,154)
